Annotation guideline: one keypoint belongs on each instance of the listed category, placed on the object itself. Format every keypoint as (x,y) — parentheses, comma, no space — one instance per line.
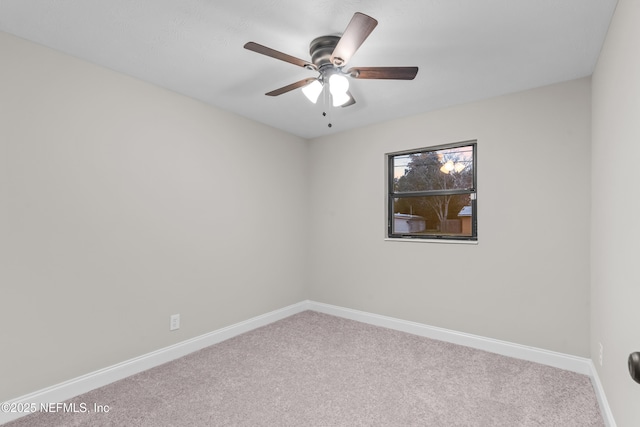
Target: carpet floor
(313,369)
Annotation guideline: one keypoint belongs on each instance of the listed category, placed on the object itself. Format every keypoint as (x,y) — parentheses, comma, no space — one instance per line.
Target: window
(432,193)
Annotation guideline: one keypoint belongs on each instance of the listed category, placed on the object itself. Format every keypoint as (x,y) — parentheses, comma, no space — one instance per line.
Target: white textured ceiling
(466,49)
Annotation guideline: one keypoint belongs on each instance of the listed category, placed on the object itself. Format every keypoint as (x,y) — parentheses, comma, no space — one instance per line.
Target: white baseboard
(605,409)
(93,380)
(83,384)
(567,362)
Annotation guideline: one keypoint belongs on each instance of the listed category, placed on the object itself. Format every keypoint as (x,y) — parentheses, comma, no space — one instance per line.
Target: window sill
(440,241)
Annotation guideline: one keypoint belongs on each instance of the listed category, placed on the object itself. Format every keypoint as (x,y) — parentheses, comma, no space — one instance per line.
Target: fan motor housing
(321,49)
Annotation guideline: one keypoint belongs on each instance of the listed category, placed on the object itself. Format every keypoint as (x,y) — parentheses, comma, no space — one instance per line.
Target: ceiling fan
(329,54)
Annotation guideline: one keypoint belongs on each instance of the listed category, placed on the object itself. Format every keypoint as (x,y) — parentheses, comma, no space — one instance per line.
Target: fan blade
(351,100)
(290,87)
(354,35)
(258,48)
(394,73)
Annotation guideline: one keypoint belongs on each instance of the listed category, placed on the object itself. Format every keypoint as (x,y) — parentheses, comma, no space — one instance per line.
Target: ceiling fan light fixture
(340,99)
(339,88)
(312,90)
(338,84)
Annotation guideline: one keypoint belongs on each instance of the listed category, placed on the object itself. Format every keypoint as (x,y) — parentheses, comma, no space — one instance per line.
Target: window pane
(433,215)
(446,169)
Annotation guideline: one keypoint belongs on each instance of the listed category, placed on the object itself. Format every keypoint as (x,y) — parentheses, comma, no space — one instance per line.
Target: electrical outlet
(601,353)
(174,322)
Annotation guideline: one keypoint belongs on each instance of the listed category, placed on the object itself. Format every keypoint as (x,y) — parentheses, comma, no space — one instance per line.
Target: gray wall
(121,204)
(527,280)
(615,228)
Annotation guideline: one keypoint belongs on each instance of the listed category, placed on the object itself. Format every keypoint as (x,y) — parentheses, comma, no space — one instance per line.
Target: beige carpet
(313,369)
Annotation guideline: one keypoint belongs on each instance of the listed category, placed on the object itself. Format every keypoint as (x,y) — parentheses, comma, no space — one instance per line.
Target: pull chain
(324,113)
